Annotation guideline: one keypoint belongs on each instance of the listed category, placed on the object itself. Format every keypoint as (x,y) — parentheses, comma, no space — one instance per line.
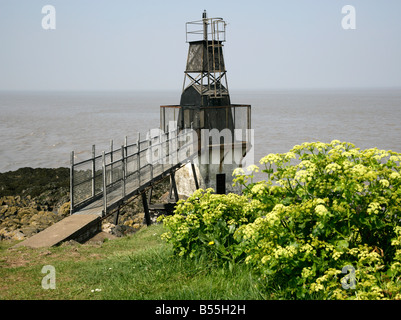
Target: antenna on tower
(204,18)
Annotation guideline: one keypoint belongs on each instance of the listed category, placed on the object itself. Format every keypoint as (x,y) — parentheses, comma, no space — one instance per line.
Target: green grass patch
(141,266)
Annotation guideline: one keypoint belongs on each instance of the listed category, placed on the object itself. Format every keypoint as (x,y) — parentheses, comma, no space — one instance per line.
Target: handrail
(103,179)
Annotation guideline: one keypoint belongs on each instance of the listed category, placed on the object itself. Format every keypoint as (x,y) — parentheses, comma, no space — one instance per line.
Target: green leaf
(341,245)
(231,228)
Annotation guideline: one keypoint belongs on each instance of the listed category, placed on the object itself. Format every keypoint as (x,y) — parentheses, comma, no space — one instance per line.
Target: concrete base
(186,182)
(78,227)
(206,175)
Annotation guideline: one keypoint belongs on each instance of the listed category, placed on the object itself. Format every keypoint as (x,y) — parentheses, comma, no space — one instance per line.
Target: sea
(40,129)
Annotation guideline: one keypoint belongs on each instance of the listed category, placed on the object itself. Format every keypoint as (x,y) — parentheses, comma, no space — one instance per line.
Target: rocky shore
(33,199)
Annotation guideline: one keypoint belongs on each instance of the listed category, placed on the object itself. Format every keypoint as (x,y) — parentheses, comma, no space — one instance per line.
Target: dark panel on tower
(205,55)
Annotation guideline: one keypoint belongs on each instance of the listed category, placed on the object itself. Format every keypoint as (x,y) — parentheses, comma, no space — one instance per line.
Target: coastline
(32,199)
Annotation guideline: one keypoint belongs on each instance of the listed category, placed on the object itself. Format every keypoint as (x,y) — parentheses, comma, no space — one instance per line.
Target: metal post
(126,155)
(162,119)
(161,151)
(177,147)
(93,170)
(146,208)
(123,169)
(111,161)
(195,177)
(138,143)
(104,184)
(72,183)
(204,18)
(150,158)
(249,117)
(150,194)
(174,185)
(168,157)
(116,215)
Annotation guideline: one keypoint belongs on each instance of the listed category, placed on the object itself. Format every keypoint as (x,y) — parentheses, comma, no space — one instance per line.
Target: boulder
(108,227)
(64,209)
(122,230)
(11,235)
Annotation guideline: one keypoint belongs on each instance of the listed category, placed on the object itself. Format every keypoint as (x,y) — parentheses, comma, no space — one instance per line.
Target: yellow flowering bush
(204,224)
(325,224)
(336,206)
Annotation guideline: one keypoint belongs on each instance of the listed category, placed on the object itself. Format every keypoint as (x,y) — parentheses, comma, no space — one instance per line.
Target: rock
(138,218)
(165,197)
(29,231)
(3,231)
(70,243)
(129,223)
(32,199)
(122,230)
(186,182)
(64,209)
(108,227)
(26,211)
(34,182)
(17,235)
(11,235)
(12,211)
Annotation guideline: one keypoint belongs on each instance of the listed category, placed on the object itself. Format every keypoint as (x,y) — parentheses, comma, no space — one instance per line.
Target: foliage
(325,224)
(205,223)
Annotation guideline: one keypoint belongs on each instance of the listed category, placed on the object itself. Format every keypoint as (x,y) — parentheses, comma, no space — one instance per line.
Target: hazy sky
(140,45)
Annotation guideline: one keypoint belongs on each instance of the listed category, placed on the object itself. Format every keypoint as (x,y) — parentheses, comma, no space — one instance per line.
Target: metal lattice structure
(205,81)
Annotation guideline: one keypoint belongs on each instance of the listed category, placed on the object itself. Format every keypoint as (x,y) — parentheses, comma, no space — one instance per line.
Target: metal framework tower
(205,69)
(205,80)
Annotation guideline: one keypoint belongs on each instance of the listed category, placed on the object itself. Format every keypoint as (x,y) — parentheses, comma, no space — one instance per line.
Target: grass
(141,266)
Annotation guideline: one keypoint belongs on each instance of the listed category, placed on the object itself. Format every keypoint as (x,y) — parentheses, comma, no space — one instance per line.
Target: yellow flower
(337,255)
(253,168)
(238,171)
(373,208)
(384,183)
(211,243)
(306,273)
(321,210)
(258,188)
(332,167)
(289,155)
(270,158)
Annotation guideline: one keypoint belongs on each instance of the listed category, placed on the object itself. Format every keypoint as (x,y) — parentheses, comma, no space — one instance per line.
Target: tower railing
(240,113)
(215,30)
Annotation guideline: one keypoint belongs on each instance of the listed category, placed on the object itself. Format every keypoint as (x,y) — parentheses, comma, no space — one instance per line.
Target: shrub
(325,224)
(204,225)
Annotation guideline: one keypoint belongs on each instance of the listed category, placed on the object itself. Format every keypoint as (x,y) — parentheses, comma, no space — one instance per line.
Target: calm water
(41,129)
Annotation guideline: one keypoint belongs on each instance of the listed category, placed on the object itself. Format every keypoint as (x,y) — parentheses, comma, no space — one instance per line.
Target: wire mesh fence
(113,175)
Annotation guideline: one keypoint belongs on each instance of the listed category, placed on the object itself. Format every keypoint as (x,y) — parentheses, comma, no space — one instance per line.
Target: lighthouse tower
(222,128)
(205,81)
